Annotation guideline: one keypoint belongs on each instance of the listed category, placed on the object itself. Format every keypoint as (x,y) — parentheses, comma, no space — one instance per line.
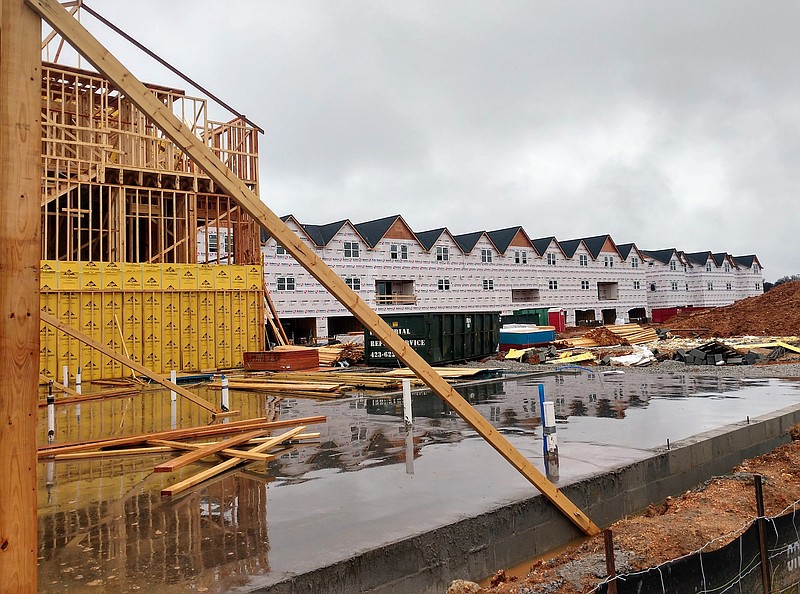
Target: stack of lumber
(282,358)
(446,372)
(287,386)
(346,351)
(236,436)
(626,334)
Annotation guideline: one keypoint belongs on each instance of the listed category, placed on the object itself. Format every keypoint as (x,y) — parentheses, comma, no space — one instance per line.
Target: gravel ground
(764,370)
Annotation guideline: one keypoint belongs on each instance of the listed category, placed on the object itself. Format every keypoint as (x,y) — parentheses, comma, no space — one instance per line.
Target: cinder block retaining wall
(477,547)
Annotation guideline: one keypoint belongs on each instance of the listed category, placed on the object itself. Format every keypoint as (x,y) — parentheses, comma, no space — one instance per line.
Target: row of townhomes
(398,270)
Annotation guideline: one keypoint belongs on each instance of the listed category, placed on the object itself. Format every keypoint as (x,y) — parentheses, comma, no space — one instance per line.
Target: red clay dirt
(720,509)
(775,313)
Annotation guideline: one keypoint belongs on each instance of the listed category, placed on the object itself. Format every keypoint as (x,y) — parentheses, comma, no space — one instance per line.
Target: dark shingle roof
(569,247)
(428,238)
(373,231)
(502,238)
(625,249)
(719,259)
(663,256)
(745,261)
(467,241)
(699,258)
(541,245)
(595,244)
(322,234)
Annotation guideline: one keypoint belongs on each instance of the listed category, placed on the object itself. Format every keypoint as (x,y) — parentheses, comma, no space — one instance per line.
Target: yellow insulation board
(186,317)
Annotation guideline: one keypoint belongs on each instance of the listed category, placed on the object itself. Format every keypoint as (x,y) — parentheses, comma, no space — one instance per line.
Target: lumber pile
(625,334)
(336,353)
(241,442)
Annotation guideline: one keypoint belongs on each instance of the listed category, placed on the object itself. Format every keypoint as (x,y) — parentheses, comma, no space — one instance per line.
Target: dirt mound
(775,313)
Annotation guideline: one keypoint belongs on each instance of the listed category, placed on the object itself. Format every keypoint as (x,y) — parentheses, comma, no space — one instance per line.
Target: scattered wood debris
(348,352)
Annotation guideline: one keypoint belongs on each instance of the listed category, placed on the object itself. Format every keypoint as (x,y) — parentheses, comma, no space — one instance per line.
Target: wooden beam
(188,433)
(56,386)
(181,135)
(20,245)
(88,340)
(230,452)
(228,464)
(205,451)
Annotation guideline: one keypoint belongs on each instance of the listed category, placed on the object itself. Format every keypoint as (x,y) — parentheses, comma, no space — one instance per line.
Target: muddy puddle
(104,527)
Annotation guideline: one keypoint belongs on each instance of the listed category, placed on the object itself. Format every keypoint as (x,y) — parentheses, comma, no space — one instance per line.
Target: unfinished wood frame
(115,189)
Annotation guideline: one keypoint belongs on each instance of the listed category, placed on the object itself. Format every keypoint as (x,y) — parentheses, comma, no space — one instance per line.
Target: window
(351,249)
(708,266)
(673,265)
(652,287)
(634,262)
(728,286)
(674,285)
(637,285)
(212,243)
(755,268)
(551,259)
(585,285)
(280,250)
(553,284)
(488,284)
(398,252)
(726,267)
(710,285)
(226,243)
(286,283)
(444,284)
(520,257)
(758,286)
(486,255)
(608,261)
(354,283)
(687,286)
(442,253)
(583,259)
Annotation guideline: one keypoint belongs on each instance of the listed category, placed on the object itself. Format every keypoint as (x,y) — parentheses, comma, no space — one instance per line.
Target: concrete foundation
(477,547)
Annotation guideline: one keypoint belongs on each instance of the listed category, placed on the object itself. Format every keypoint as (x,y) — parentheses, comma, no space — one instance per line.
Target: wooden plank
(96,396)
(234,453)
(188,433)
(223,466)
(114,453)
(56,386)
(226,180)
(205,451)
(20,244)
(141,369)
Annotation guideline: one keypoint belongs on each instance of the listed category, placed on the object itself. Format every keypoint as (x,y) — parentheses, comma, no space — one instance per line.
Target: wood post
(180,134)
(20,245)
(766,582)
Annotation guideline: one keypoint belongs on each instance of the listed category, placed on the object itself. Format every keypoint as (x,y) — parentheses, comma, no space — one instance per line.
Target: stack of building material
(611,335)
(282,358)
(336,353)
(715,353)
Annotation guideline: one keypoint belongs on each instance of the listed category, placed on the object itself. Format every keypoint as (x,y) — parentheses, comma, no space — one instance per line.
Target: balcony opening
(394,292)
(608,291)
(524,295)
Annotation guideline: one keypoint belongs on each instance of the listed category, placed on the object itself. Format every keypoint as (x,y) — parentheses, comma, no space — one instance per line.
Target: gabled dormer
(513,242)
(602,248)
(478,244)
(440,243)
(387,228)
(631,255)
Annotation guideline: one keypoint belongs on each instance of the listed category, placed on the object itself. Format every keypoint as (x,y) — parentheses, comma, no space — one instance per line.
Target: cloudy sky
(669,124)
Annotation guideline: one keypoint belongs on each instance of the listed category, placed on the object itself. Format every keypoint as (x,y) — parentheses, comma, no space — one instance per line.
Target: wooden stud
(228,464)
(188,433)
(180,134)
(20,242)
(230,452)
(205,451)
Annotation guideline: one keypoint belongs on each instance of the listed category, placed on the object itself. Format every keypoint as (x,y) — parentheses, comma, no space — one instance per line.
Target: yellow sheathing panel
(172,316)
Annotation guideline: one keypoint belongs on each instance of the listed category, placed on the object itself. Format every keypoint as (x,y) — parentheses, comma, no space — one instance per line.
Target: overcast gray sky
(669,124)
